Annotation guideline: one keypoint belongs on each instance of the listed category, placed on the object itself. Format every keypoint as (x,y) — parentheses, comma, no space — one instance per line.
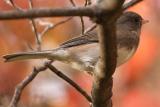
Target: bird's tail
(51,54)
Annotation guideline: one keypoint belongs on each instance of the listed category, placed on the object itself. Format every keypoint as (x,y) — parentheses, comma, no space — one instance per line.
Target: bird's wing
(82,39)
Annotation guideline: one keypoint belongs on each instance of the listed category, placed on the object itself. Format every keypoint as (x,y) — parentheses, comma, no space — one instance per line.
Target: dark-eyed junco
(82,52)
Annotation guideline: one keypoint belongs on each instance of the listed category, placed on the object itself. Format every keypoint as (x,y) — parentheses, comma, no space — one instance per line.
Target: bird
(82,52)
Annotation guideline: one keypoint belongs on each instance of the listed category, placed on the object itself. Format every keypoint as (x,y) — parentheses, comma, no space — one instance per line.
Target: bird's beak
(145,21)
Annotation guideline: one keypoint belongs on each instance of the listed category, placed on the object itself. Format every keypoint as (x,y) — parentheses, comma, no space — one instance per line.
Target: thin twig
(90,28)
(72,2)
(130,4)
(55,25)
(62,22)
(33,24)
(11,3)
(20,87)
(82,25)
(88,2)
(24,83)
(38,38)
(29,46)
(68,80)
(81,18)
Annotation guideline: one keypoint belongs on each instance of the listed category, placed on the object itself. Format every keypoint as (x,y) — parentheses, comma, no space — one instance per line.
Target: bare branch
(68,80)
(81,18)
(90,28)
(56,12)
(11,3)
(49,27)
(22,85)
(33,24)
(72,2)
(82,24)
(87,2)
(102,82)
(130,4)
(38,38)
(29,46)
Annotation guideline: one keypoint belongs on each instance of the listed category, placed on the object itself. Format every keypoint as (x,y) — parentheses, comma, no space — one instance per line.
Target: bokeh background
(136,83)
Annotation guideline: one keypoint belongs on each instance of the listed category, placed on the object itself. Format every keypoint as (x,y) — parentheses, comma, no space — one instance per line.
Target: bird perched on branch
(82,52)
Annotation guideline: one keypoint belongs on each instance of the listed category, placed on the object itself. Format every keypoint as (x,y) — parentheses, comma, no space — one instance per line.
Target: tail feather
(25,55)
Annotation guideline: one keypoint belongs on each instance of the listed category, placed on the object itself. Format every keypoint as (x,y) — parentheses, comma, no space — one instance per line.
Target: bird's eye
(136,20)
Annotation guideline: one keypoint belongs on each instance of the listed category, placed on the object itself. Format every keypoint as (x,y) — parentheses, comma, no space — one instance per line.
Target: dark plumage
(128,26)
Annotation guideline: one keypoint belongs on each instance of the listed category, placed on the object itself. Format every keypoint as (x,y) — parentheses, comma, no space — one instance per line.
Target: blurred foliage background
(136,83)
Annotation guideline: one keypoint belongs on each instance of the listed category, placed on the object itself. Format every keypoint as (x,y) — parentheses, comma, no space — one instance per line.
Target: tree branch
(56,12)
(34,29)
(89,29)
(23,84)
(76,11)
(102,82)
(68,80)
(50,27)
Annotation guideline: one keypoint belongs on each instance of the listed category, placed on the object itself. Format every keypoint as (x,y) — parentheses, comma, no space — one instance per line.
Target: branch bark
(102,82)
(23,84)
(75,11)
(56,12)
(69,81)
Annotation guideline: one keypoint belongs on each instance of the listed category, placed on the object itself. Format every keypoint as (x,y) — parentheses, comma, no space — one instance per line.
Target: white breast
(124,55)
(85,57)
